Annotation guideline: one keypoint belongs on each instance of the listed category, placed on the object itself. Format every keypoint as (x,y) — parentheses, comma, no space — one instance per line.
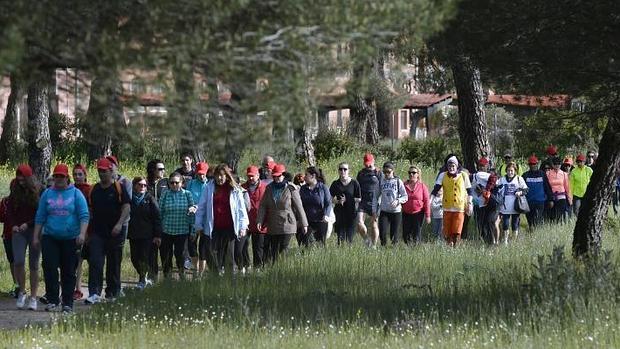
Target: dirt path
(12,318)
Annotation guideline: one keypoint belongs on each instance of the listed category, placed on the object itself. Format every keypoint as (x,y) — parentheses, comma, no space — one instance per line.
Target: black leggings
(412,227)
(317,231)
(393,220)
(242,253)
(225,248)
(278,244)
(258,249)
(143,257)
(172,245)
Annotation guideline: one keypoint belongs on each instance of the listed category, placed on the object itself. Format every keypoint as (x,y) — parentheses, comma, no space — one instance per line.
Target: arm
(357,192)
(402,193)
(547,187)
(569,195)
(82,210)
(262,208)
(201,209)
(156,217)
(327,202)
(426,201)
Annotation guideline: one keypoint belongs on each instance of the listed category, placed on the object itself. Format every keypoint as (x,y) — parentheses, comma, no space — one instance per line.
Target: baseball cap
(104,164)
(252,171)
(61,170)
(368,159)
(532,160)
(202,168)
(278,170)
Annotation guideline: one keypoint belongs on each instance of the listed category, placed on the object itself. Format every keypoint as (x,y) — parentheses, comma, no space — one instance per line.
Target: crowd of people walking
(206,219)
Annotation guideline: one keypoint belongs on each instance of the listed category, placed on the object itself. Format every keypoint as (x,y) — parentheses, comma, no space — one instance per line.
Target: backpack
(119,193)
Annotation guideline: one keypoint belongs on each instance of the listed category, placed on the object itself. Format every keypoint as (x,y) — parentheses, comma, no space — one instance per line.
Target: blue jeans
(438,227)
(506,221)
(108,251)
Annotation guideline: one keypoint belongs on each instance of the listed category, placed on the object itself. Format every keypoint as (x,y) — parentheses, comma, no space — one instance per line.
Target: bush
(329,144)
(430,152)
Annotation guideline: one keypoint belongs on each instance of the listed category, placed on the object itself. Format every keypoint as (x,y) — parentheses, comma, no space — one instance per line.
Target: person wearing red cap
(280,211)
(256,190)
(552,153)
(196,186)
(538,194)
(20,216)
(62,218)
(81,182)
(579,179)
(110,206)
(369,179)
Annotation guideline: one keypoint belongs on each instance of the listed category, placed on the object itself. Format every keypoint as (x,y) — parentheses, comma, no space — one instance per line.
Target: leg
(8,249)
(19,263)
(258,241)
(78,274)
(51,263)
(165,251)
(153,267)
(576,205)
(383,227)
(516,220)
(68,261)
(179,243)
(239,245)
(395,223)
(96,259)
(418,220)
(505,227)
(114,259)
(34,258)
(320,232)
(374,219)
(361,226)
(192,246)
(230,241)
(408,230)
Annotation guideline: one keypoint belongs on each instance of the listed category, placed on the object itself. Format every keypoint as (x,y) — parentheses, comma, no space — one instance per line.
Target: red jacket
(7,231)
(255,199)
(419,199)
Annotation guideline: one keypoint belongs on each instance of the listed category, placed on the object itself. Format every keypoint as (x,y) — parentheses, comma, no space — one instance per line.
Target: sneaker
(77,295)
(43,299)
(21,301)
(148,282)
(51,307)
(93,299)
(188,264)
(32,303)
(141,285)
(67,310)
(14,292)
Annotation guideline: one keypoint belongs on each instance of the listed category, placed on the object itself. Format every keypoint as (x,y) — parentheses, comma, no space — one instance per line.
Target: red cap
(202,168)
(483,161)
(62,170)
(368,159)
(24,170)
(581,157)
(271,165)
(552,150)
(278,170)
(252,171)
(104,164)
(80,167)
(532,160)
(568,160)
(112,159)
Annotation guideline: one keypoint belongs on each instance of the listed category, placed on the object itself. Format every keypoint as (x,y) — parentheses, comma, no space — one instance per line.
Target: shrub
(328,144)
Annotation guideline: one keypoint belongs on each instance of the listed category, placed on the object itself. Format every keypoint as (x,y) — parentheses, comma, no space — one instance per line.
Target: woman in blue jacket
(221,217)
(63,212)
(317,203)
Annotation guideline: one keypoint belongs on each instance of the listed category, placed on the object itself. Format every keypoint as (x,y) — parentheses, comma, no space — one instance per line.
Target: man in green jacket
(579,178)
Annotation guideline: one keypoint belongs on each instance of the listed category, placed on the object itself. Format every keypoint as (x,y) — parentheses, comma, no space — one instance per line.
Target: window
(404,120)
(136,86)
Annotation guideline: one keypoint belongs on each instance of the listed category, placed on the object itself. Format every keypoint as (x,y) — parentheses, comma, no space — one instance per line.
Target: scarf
(277,190)
(137,198)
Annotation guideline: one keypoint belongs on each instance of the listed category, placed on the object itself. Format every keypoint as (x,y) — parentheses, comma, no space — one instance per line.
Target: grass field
(528,294)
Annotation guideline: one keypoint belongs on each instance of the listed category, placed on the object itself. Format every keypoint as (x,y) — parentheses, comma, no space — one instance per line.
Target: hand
(242,233)
(23,227)
(325,219)
(259,227)
(192,210)
(428,220)
(395,204)
(15,229)
(80,239)
(342,200)
(157,241)
(116,230)
(519,193)
(305,230)
(550,204)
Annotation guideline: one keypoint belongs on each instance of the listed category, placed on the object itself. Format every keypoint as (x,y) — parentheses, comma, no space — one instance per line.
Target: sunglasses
(161,169)
(142,184)
(175,182)
(413,172)
(343,169)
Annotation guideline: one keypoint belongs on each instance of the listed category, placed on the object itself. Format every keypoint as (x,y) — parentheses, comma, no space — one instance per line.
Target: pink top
(418,198)
(558,180)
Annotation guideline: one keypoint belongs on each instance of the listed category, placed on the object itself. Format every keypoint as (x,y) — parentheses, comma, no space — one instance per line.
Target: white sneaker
(51,307)
(148,282)
(187,264)
(93,299)
(21,301)
(32,304)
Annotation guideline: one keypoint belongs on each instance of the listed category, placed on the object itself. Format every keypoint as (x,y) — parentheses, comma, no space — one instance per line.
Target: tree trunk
(363,115)
(104,122)
(39,144)
(472,125)
(587,235)
(186,104)
(11,143)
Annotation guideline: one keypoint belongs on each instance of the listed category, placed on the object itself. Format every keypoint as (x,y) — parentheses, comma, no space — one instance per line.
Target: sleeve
(3,210)
(81,207)
(298,208)
(41,215)
(426,201)
(332,189)
(357,190)
(327,202)
(243,210)
(162,204)
(547,188)
(402,193)
(125,199)
(156,217)
(571,179)
(262,207)
(467,184)
(246,200)
(201,209)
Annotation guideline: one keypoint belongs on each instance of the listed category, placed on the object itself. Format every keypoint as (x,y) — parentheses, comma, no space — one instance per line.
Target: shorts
(8,249)
(205,247)
(22,241)
(369,208)
(453,223)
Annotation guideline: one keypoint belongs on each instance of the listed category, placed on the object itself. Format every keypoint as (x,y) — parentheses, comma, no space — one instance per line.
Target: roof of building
(550,101)
(425,100)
